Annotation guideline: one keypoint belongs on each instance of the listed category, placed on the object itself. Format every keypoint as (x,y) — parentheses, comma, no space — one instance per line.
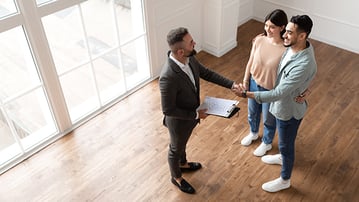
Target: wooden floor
(121,155)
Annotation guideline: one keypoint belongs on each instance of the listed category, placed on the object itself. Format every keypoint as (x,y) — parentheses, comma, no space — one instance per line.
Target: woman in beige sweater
(261,74)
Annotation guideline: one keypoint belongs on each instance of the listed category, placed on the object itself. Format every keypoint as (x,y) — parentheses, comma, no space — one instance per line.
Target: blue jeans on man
(287,132)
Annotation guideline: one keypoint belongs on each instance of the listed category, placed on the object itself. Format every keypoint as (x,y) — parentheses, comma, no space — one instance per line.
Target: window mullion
(95,82)
(41,51)
(119,46)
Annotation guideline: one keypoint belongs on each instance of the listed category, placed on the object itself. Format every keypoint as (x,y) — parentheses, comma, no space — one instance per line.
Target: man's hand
(202,113)
(235,86)
(239,90)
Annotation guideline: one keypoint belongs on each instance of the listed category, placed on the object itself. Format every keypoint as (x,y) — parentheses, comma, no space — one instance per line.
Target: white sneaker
(273,159)
(247,140)
(262,149)
(276,185)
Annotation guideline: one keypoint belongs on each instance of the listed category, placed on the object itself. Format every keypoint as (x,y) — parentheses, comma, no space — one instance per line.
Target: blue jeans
(287,132)
(254,115)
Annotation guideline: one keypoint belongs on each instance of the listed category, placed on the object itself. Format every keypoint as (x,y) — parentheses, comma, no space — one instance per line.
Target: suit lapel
(182,74)
(195,76)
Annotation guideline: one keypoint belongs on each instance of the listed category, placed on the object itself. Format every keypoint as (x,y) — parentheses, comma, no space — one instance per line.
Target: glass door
(62,61)
(100,46)
(26,118)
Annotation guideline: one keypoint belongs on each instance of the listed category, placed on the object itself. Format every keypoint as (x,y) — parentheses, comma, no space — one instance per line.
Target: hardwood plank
(121,155)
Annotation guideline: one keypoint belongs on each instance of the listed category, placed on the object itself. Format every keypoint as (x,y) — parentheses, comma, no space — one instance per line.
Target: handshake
(241,90)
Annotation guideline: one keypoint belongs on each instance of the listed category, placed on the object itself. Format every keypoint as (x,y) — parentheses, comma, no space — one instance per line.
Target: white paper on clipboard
(218,106)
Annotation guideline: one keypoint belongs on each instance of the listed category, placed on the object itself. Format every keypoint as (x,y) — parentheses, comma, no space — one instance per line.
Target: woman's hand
(301,98)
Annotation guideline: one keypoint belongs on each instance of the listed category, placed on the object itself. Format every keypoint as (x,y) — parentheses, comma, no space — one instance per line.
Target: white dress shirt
(185,68)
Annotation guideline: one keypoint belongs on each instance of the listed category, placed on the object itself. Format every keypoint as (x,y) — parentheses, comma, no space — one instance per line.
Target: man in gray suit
(180,98)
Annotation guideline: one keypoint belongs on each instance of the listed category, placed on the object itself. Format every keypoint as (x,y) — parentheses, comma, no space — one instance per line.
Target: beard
(291,43)
(192,53)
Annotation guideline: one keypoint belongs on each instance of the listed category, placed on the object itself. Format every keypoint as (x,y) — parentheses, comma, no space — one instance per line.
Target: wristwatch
(244,93)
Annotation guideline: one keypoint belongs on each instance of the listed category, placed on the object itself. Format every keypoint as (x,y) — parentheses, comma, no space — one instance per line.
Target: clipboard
(220,107)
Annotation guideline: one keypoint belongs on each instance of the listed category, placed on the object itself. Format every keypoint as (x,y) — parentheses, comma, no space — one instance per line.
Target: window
(25,116)
(62,62)
(7,7)
(101,51)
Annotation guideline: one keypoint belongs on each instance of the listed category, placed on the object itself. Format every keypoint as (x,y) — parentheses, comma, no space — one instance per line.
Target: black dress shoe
(184,186)
(193,166)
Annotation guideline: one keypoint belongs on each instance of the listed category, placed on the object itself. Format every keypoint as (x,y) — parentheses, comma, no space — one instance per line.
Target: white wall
(220,22)
(164,15)
(335,22)
(245,11)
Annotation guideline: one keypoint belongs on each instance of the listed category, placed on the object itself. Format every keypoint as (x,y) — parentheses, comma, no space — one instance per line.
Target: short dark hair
(279,18)
(175,36)
(303,22)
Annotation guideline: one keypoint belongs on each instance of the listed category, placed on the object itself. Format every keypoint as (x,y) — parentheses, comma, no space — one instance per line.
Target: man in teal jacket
(295,72)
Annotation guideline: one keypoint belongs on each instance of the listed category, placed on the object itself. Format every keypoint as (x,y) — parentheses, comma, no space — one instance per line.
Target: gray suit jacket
(179,97)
